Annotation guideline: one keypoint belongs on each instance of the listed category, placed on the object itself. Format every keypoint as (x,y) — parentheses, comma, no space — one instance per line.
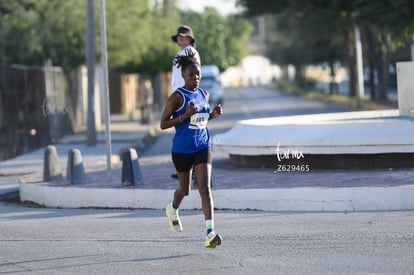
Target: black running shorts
(184,162)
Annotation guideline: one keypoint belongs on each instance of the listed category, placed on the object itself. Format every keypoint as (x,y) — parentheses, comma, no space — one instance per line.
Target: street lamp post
(90,63)
(105,88)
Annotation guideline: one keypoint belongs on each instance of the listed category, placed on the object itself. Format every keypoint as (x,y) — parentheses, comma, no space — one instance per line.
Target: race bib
(198,121)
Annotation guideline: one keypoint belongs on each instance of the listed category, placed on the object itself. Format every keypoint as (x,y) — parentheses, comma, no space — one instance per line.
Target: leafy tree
(238,30)
(310,26)
(149,48)
(33,31)
(291,43)
(221,40)
(156,48)
(388,25)
(138,34)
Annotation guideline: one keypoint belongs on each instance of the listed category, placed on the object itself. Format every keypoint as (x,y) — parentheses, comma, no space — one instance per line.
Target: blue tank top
(192,134)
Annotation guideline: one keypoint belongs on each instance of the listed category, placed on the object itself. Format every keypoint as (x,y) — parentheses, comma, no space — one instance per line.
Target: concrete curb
(304,199)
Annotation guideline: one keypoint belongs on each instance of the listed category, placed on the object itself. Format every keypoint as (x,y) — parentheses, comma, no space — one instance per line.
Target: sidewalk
(125,133)
(234,188)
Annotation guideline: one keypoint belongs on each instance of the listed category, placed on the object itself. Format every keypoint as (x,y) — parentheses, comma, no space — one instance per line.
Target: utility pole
(90,63)
(106,89)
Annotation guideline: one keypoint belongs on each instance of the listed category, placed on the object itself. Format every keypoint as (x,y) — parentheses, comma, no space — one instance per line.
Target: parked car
(210,81)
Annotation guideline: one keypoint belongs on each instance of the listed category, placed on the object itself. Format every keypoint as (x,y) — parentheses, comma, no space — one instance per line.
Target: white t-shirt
(177,80)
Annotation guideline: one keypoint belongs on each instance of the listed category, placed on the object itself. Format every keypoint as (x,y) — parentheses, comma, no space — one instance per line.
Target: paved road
(107,241)
(90,241)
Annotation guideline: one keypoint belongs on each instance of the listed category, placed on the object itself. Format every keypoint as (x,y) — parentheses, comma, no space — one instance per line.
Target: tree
(138,34)
(224,41)
(33,31)
(156,49)
(311,26)
(388,24)
(289,42)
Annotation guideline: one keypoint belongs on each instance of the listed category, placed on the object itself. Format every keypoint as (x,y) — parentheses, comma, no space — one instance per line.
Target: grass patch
(30,204)
(14,197)
(353,102)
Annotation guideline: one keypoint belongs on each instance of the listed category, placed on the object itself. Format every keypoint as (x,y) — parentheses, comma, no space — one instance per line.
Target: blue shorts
(184,162)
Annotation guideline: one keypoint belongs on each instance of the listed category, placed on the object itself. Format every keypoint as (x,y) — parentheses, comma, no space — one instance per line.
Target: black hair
(184,61)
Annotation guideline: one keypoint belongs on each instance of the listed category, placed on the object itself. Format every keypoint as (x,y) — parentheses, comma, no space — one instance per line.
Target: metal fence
(39,105)
(31,108)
